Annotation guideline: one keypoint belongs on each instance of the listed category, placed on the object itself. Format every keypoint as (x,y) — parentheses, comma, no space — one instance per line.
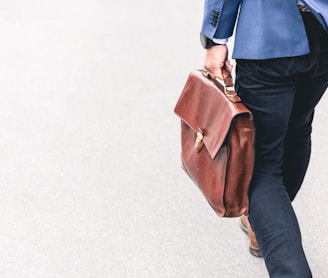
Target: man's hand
(216,58)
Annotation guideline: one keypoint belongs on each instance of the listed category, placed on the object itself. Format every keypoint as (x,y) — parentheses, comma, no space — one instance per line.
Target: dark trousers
(282,94)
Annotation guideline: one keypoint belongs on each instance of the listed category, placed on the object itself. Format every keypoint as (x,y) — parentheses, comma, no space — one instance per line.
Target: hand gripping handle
(226,83)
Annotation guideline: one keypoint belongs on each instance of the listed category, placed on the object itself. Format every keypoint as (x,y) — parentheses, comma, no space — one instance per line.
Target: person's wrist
(208,43)
(220,41)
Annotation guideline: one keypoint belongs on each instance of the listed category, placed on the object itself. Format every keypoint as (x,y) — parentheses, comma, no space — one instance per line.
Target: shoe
(253,245)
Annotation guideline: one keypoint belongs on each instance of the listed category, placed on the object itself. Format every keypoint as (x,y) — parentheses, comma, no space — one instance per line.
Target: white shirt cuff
(220,41)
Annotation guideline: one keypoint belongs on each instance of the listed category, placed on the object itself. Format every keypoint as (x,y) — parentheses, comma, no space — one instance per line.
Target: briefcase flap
(205,108)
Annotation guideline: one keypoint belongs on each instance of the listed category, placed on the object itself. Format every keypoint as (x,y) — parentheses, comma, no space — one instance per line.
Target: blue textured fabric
(265,29)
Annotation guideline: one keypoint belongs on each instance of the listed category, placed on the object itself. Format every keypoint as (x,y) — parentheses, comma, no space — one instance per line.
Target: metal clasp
(229,91)
(199,141)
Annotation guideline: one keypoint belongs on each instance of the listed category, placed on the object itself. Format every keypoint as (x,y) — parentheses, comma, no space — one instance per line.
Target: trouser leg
(270,97)
(312,83)
(298,138)
(282,94)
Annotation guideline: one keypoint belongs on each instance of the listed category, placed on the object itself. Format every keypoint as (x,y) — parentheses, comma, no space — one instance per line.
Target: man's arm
(219,18)
(218,23)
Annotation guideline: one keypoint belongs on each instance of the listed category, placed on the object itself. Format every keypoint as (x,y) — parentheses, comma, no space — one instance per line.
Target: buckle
(303,9)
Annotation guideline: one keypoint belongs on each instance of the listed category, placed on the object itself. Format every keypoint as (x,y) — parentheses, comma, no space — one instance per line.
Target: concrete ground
(90,176)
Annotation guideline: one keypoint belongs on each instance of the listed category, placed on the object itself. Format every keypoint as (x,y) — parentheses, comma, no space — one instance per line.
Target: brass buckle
(199,141)
(229,91)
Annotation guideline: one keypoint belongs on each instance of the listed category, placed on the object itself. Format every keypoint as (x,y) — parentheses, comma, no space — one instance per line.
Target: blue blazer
(266,28)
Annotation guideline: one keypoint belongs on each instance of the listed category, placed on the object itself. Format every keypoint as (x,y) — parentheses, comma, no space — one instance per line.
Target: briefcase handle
(226,85)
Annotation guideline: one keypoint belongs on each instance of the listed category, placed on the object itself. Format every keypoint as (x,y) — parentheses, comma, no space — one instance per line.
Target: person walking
(281,53)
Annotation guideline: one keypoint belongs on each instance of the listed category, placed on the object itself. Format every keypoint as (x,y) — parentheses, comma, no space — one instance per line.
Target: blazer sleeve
(219,18)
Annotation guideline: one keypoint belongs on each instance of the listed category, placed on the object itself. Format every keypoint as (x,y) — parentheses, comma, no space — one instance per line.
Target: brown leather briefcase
(217,139)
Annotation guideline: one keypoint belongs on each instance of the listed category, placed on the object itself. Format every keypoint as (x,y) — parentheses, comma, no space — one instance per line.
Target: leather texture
(220,162)
(254,248)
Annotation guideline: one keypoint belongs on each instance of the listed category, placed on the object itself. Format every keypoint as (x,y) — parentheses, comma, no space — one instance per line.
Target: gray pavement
(90,176)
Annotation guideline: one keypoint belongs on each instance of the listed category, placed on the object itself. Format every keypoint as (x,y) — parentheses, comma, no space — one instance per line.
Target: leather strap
(226,85)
